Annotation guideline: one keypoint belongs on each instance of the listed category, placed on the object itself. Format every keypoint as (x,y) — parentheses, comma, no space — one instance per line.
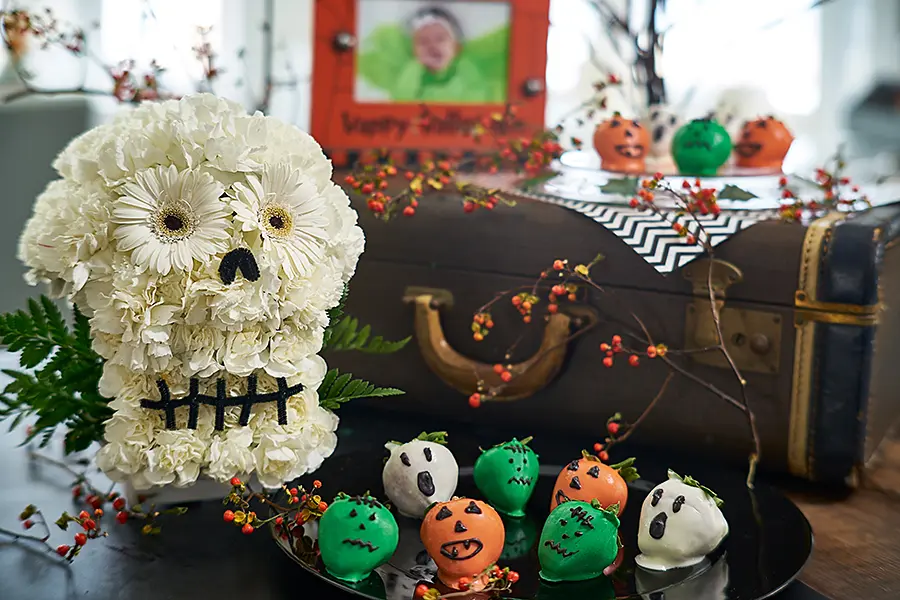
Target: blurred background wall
(810,67)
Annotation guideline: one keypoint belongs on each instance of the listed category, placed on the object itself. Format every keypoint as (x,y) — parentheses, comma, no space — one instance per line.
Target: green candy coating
(507,475)
(357,534)
(700,147)
(578,541)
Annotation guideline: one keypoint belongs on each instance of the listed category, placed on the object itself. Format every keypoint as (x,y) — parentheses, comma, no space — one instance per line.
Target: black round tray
(769,541)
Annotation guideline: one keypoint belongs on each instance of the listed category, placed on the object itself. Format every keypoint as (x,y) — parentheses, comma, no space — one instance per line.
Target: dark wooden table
(197,556)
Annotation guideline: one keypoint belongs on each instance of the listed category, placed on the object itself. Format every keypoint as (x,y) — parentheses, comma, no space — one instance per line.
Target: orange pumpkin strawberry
(763,144)
(622,145)
(588,478)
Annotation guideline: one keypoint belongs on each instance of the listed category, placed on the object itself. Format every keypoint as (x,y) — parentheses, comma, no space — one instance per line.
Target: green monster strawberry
(579,540)
(356,535)
(701,147)
(507,475)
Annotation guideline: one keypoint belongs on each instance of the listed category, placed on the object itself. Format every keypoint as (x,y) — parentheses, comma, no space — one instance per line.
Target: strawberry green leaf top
(688,480)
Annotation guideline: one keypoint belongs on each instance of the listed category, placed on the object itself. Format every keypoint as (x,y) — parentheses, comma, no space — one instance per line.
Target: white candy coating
(662,124)
(408,485)
(682,538)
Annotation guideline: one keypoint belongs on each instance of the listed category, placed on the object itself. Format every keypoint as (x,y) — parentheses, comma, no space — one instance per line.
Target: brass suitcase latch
(752,337)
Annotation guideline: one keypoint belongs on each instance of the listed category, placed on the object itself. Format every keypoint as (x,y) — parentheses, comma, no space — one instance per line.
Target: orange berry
(527,318)
(604,456)
(409,211)
(553,309)
(475,400)
(633,360)
(489,324)
(608,362)
(322,506)
(613,429)
(464,583)
(498,368)
(512,576)
(604,347)
(572,297)
(506,376)
(477,336)
(558,265)
(516,300)
(317,484)
(526,305)
(598,447)
(617,339)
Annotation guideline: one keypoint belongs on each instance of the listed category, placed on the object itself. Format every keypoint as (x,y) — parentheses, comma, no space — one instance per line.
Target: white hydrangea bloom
(135,231)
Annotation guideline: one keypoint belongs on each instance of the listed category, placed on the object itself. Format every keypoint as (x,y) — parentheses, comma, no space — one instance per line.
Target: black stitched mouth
(451,549)
(559,549)
(361,544)
(697,144)
(239,258)
(747,149)
(630,150)
(561,497)
(520,480)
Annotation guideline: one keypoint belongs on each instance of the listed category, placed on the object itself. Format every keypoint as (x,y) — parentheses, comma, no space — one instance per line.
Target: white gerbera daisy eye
(169,218)
(288,212)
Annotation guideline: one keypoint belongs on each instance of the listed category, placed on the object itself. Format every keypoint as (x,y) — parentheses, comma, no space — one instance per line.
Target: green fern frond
(338,388)
(346,335)
(59,383)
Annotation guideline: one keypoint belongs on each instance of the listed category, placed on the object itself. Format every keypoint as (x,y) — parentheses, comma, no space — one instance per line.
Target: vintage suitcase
(810,315)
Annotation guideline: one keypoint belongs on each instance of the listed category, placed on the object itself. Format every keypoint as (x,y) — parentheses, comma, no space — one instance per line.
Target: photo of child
(436,52)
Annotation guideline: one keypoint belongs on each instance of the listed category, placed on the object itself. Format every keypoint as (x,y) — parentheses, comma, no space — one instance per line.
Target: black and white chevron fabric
(651,235)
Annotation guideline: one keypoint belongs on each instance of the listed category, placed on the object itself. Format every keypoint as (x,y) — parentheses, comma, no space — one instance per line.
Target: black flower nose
(239,258)
(658,526)
(425,483)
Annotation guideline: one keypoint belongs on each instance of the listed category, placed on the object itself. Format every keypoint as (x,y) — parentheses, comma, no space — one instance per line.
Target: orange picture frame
(346,128)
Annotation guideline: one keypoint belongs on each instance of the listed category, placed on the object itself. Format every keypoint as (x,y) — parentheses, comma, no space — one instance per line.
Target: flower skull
(206,246)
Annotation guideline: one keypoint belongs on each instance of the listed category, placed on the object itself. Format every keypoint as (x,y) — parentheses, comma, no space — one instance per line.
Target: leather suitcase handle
(464,374)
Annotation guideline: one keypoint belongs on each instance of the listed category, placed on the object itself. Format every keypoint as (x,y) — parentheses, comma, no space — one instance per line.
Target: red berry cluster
(615,347)
(838,193)
(524,302)
(311,507)
(482,323)
(531,154)
(493,579)
(613,426)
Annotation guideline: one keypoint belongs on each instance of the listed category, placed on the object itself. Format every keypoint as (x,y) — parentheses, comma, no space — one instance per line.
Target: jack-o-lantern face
(763,144)
(701,147)
(463,536)
(622,145)
(588,479)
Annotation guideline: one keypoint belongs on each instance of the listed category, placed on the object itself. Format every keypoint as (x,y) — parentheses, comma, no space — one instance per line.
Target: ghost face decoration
(663,124)
(356,535)
(680,524)
(763,144)
(507,475)
(464,537)
(578,542)
(418,474)
(622,145)
(701,147)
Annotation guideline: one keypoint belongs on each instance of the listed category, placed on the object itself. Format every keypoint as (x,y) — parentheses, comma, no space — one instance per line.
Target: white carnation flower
(230,454)
(176,458)
(170,219)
